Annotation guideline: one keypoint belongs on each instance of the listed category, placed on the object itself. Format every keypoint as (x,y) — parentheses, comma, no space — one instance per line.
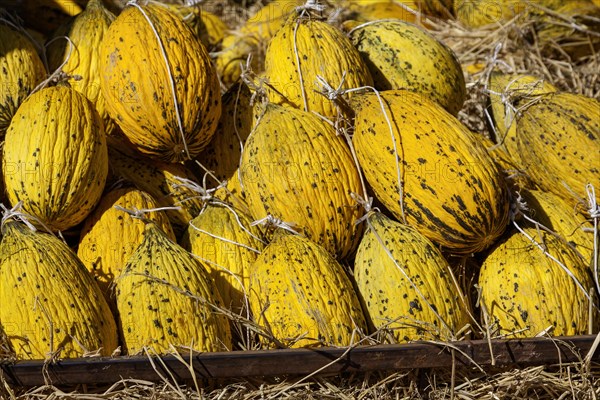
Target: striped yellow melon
(406,283)
(165,182)
(401,55)
(430,171)
(21,70)
(296,168)
(558,141)
(525,291)
(82,54)
(223,238)
(304,49)
(55,157)
(302,295)
(109,236)
(159,83)
(165,298)
(50,304)
(562,217)
(507,93)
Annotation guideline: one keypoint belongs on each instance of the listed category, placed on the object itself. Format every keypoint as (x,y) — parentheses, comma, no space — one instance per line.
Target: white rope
(58,73)
(18,214)
(332,94)
(15,213)
(223,239)
(594,211)
(271,222)
(139,213)
(519,206)
(171,79)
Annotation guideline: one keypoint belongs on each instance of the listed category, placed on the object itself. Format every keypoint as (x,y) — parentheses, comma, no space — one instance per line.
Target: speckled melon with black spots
(507,92)
(303,296)
(109,236)
(430,171)
(406,283)
(55,157)
(49,300)
(21,70)
(159,83)
(525,292)
(401,55)
(165,297)
(304,49)
(81,54)
(567,218)
(558,142)
(296,168)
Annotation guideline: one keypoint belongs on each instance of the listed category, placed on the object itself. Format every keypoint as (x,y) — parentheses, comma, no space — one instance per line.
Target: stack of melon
(162,193)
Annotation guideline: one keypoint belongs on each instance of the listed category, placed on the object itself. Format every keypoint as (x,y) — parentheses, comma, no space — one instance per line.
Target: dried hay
(539,383)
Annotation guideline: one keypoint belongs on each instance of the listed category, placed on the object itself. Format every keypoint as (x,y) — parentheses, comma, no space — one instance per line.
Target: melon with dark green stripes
(430,171)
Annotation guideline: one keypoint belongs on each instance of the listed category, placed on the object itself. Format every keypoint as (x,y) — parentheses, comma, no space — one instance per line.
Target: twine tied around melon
(17,213)
(519,206)
(207,197)
(594,211)
(163,52)
(58,75)
(336,95)
(140,213)
(508,97)
(272,222)
(304,11)
(408,278)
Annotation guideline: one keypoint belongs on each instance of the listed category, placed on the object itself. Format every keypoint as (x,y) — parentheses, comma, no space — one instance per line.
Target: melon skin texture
(401,55)
(21,70)
(49,300)
(228,244)
(430,171)
(55,157)
(165,298)
(296,168)
(302,295)
(525,292)
(406,283)
(140,91)
(109,236)
(81,56)
(558,142)
(305,49)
